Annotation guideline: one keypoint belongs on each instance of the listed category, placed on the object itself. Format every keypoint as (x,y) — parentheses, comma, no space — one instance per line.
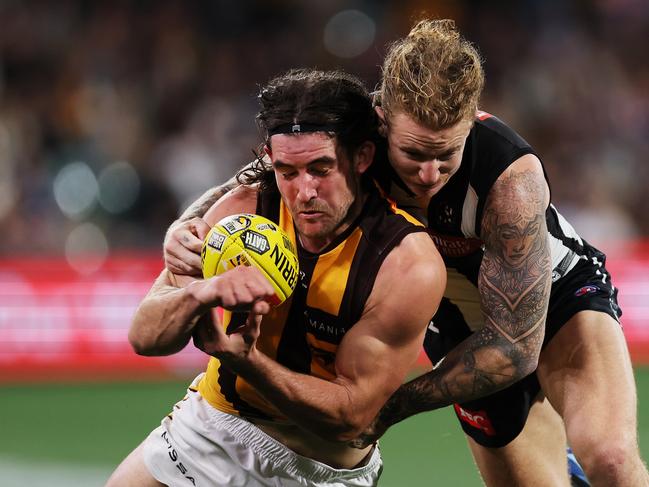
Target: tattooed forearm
(480,365)
(211,196)
(199,207)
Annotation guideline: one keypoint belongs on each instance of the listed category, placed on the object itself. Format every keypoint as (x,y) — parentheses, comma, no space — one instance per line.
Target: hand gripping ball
(246,239)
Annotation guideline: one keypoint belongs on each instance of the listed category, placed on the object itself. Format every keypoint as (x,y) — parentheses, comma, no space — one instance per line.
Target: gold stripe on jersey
(286,222)
(403,213)
(330,275)
(219,382)
(324,356)
(209,389)
(395,208)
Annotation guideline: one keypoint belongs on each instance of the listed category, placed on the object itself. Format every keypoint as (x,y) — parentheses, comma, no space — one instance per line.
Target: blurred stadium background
(114,115)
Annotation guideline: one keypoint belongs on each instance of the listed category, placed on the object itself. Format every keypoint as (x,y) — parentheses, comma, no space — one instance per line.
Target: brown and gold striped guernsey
(304,332)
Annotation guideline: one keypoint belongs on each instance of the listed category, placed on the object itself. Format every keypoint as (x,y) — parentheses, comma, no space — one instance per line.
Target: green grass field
(74,435)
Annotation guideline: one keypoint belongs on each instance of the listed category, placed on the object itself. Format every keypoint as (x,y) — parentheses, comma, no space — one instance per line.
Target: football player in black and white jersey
(529,325)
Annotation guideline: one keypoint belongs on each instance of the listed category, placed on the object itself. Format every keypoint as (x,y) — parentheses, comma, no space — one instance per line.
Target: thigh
(132,472)
(586,373)
(535,458)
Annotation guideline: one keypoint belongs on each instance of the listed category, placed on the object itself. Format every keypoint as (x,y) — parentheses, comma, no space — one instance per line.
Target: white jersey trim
(469,212)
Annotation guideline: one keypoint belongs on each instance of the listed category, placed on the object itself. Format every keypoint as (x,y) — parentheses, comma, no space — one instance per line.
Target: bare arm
(163,323)
(184,238)
(373,357)
(514,284)
(199,207)
(166,317)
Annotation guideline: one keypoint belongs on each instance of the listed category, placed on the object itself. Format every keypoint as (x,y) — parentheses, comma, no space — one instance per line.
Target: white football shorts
(204,447)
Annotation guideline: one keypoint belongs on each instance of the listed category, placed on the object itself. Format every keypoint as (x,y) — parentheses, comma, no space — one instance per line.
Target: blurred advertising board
(57,324)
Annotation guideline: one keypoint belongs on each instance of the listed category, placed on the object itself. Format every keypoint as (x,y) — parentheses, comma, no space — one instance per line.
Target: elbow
(525,362)
(348,435)
(146,343)
(140,344)
(340,426)
(149,345)
(348,427)
(529,366)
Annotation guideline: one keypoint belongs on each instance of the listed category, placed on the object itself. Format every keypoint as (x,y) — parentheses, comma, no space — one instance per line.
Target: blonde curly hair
(433,75)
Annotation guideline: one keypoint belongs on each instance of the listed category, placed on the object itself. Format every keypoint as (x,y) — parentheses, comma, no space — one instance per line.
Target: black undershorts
(494,421)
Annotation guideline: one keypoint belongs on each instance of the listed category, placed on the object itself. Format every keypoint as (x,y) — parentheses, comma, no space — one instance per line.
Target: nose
(429,172)
(307,189)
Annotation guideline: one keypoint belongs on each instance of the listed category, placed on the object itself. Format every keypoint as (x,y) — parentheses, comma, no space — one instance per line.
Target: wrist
(192,298)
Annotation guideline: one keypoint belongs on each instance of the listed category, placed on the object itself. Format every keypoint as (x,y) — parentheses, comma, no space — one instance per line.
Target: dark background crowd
(115,115)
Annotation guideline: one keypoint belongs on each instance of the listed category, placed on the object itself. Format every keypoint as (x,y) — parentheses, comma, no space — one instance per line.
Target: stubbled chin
(310,229)
(425,193)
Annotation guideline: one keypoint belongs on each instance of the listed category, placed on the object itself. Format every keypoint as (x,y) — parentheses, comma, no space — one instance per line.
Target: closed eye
(319,170)
(287,174)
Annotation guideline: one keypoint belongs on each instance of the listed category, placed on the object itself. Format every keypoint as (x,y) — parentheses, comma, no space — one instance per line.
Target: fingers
(240,289)
(200,229)
(182,246)
(246,288)
(180,260)
(250,331)
(208,334)
(261,308)
(253,324)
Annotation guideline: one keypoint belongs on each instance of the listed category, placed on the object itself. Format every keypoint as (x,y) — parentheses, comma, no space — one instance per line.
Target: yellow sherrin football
(246,239)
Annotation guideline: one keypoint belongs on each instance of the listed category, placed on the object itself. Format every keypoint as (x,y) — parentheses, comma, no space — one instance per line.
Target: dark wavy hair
(334,100)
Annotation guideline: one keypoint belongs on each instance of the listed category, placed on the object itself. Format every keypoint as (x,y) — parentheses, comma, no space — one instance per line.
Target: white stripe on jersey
(557,249)
(469,211)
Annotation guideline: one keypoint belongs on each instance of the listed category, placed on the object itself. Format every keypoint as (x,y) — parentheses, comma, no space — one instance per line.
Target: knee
(607,460)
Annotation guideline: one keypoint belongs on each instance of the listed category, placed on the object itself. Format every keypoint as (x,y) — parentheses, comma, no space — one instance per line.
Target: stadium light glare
(119,187)
(86,248)
(75,190)
(349,34)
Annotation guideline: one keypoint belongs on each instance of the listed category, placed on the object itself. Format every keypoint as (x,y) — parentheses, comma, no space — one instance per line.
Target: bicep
(379,350)
(514,277)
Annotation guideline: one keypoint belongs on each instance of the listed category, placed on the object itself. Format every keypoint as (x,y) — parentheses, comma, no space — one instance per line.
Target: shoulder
(492,147)
(414,249)
(492,130)
(521,180)
(242,199)
(407,290)
(414,266)
(416,254)
(517,203)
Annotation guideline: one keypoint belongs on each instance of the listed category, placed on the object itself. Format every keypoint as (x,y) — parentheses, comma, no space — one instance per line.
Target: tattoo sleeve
(199,207)
(514,284)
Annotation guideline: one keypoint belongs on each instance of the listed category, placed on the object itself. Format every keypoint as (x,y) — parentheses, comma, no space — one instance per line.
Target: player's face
(318,185)
(424,158)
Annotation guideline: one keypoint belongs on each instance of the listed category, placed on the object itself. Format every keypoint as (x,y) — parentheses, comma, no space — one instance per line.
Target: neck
(404,199)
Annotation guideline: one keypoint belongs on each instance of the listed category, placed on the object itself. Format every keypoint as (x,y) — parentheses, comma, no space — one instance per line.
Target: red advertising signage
(57,324)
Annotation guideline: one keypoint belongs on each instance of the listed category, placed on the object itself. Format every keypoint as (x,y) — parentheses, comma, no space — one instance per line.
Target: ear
(383,126)
(364,156)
